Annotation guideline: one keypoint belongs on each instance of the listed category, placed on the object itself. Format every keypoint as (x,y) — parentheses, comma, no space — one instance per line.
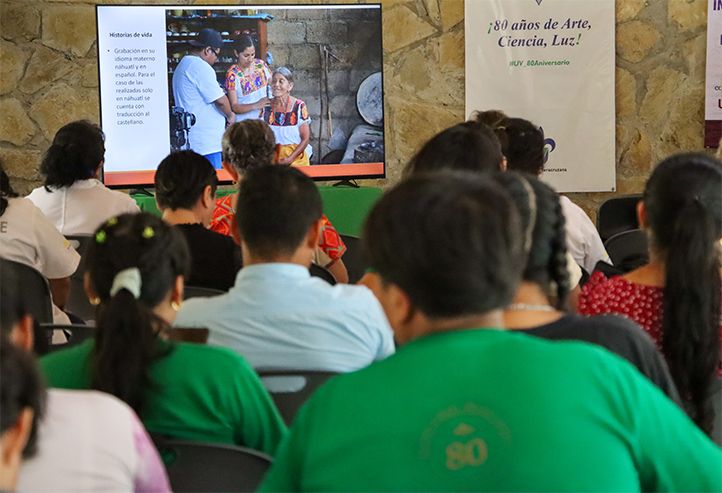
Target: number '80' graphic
(472,453)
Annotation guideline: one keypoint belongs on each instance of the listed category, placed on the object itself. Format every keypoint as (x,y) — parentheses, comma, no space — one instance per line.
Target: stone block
(280,55)
(45,66)
(631,184)
(326,32)
(688,14)
(303,57)
(433,11)
(306,14)
(625,93)
(15,126)
(661,89)
(635,39)
(306,81)
(338,81)
(343,105)
(19,21)
(628,9)
(639,156)
(695,54)
(61,105)
(90,75)
(365,14)
(451,49)
(12,65)
(21,163)
(69,28)
(452,12)
(402,27)
(684,128)
(287,33)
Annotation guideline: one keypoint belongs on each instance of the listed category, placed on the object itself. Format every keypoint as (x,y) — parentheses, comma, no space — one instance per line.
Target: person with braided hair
(540,305)
(135,271)
(676,296)
(73,198)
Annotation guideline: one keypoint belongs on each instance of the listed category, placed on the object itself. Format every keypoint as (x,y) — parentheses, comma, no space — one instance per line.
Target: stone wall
(49,77)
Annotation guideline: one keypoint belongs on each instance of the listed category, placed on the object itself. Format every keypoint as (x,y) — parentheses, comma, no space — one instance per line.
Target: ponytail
(684,212)
(133,265)
(691,320)
(6,191)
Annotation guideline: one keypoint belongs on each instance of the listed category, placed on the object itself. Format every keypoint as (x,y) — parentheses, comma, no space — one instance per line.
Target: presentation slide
(333,54)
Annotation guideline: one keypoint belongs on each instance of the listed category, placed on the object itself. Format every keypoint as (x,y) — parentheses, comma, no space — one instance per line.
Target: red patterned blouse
(330,243)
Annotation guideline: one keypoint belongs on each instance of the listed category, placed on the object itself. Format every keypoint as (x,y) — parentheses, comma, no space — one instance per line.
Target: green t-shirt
(201,393)
(489,410)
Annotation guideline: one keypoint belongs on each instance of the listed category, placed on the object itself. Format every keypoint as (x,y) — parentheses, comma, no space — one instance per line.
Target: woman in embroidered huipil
(289,120)
(247,80)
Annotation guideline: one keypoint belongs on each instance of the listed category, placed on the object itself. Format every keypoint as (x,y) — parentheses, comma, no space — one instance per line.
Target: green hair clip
(148,232)
(112,221)
(101,236)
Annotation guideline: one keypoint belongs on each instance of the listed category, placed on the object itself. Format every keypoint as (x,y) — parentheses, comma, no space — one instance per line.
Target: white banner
(713,104)
(550,62)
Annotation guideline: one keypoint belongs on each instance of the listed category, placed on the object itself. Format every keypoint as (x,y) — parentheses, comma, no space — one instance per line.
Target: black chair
(353,259)
(323,273)
(211,467)
(290,389)
(78,303)
(617,215)
(200,292)
(75,334)
(628,250)
(196,335)
(35,290)
(717,405)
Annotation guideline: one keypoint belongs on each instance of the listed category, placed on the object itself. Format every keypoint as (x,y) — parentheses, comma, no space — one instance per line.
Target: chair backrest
(78,303)
(290,389)
(182,334)
(200,292)
(212,467)
(617,214)
(322,272)
(75,334)
(353,259)
(628,250)
(35,291)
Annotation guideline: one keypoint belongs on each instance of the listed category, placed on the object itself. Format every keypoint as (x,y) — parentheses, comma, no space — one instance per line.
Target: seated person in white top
(26,236)
(73,198)
(277,316)
(87,441)
(522,143)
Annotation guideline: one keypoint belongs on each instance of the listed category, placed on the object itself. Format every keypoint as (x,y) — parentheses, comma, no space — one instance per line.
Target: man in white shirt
(196,90)
(276,315)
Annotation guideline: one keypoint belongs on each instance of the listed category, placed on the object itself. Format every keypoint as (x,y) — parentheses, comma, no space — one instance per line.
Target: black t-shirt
(619,335)
(215,258)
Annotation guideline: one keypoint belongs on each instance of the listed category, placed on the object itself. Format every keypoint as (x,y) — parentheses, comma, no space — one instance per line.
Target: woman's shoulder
(261,65)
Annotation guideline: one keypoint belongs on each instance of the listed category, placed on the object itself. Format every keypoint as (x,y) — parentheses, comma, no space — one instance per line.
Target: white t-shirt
(195,88)
(82,207)
(27,236)
(90,441)
(583,240)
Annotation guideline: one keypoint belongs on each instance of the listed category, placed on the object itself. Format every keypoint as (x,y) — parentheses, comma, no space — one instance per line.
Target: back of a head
(181,179)
(450,240)
(468,146)
(544,233)
(75,154)
(248,144)
(683,205)
(277,205)
(522,142)
(6,191)
(131,252)
(14,306)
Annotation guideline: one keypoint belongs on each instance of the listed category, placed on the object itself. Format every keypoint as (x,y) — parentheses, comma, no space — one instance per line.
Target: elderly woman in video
(289,120)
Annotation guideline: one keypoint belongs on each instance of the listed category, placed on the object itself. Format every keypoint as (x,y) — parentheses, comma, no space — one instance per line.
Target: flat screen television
(333,51)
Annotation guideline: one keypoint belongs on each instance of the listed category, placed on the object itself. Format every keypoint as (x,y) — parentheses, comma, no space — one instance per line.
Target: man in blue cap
(196,90)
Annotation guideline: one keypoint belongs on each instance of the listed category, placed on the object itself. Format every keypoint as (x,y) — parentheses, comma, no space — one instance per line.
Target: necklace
(524,306)
(282,118)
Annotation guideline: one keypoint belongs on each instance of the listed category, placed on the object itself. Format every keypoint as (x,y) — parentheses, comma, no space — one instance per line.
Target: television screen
(314,73)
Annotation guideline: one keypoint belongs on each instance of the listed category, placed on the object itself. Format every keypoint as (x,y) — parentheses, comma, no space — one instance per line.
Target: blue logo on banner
(549,146)
(538,2)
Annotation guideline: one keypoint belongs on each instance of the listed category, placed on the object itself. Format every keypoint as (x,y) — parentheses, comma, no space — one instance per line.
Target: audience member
(676,296)
(469,146)
(135,272)
(185,191)
(465,405)
(278,316)
(73,198)
(21,406)
(29,238)
(522,143)
(251,144)
(541,301)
